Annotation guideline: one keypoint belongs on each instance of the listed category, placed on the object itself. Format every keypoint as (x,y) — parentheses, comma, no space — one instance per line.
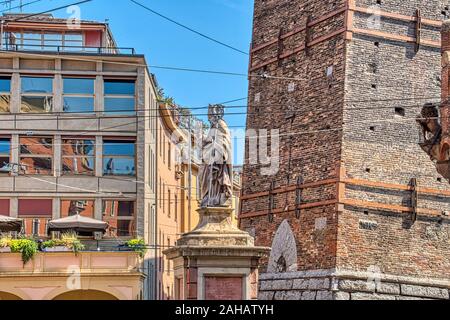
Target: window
(44,41)
(4,207)
(83,208)
(160,193)
(163,197)
(169,198)
(5,153)
(120,97)
(121,217)
(119,158)
(169,155)
(78,95)
(36,214)
(5,94)
(36,155)
(37,95)
(78,157)
(164,150)
(176,207)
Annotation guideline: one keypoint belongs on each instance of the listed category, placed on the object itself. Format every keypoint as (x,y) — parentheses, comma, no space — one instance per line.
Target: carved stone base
(216,260)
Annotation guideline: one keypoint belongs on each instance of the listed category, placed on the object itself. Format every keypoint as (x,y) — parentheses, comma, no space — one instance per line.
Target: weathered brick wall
(380,146)
(364,123)
(316,105)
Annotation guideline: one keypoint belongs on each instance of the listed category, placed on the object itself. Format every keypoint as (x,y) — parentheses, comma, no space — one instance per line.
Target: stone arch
(85,295)
(283,257)
(8,296)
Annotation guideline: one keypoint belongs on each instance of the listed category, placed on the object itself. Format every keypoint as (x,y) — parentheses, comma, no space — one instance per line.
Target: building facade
(77,131)
(357,209)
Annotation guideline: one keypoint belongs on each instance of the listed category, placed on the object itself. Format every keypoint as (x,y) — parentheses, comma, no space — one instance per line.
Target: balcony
(69,49)
(62,275)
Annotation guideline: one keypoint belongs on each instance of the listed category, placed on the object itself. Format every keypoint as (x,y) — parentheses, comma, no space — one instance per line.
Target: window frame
(112,96)
(79,95)
(104,156)
(6,93)
(92,201)
(45,95)
(117,218)
(6,155)
(92,157)
(38,156)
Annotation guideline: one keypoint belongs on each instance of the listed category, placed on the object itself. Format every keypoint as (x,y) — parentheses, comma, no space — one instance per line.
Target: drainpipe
(155,264)
(1,33)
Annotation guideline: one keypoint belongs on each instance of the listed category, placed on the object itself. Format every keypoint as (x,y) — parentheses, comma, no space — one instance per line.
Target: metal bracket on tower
(280,46)
(307,34)
(298,197)
(418,30)
(271,201)
(414,199)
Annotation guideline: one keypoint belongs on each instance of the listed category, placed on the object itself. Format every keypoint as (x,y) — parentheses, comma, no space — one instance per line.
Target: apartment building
(77,135)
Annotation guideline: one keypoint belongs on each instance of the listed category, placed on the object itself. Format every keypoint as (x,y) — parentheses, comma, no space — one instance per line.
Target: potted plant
(68,242)
(137,245)
(27,247)
(5,243)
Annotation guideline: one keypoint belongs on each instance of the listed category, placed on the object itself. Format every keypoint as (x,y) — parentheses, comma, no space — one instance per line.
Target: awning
(8,224)
(77,223)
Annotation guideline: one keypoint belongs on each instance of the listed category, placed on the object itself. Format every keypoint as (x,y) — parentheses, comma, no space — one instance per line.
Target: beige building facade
(77,115)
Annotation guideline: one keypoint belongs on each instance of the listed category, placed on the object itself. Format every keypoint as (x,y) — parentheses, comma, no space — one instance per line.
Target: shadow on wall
(435,141)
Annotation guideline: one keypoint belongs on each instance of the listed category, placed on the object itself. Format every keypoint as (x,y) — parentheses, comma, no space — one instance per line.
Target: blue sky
(166,44)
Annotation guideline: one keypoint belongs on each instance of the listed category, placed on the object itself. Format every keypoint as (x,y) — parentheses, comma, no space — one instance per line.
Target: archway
(8,296)
(283,257)
(85,295)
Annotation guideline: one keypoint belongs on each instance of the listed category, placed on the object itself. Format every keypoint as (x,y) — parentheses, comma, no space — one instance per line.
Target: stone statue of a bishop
(217,169)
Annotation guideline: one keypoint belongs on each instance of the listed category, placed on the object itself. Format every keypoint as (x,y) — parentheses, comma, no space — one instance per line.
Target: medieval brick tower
(357,209)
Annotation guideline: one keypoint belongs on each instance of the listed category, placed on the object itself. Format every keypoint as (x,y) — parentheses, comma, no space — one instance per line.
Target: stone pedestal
(216,261)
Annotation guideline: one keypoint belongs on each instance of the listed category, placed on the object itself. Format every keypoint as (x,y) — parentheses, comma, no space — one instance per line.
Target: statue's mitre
(217,111)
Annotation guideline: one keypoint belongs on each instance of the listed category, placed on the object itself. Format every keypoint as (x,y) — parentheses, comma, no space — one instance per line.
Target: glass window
(37,95)
(119,157)
(120,97)
(119,87)
(120,216)
(5,94)
(5,85)
(78,105)
(78,86)
(36,214)
(84,208)
(37,85)
(36,104)
(36,155)
(5,153)
(78,95)
(78,157)
(125,106)
(4,207)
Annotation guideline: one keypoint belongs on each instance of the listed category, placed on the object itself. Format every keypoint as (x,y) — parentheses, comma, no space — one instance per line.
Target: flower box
(58,249)
(5,250)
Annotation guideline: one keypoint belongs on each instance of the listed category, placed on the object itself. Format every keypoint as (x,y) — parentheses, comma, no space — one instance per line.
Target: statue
(216,171)
(431,130)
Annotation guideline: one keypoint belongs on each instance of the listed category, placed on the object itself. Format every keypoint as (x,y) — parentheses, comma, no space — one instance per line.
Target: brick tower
(357,209)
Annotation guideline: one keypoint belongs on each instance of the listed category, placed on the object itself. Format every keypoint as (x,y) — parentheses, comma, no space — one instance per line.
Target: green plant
(28,248)
(137,245)
(5,241)
(68,240)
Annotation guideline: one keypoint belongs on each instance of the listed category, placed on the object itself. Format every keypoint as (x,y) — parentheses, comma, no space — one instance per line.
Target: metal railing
(69,49)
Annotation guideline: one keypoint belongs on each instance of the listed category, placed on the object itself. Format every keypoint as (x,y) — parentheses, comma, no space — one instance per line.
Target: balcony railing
(87,262)
(69,49)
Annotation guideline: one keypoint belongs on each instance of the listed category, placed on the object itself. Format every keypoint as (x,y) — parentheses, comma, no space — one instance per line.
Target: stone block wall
(349,130)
